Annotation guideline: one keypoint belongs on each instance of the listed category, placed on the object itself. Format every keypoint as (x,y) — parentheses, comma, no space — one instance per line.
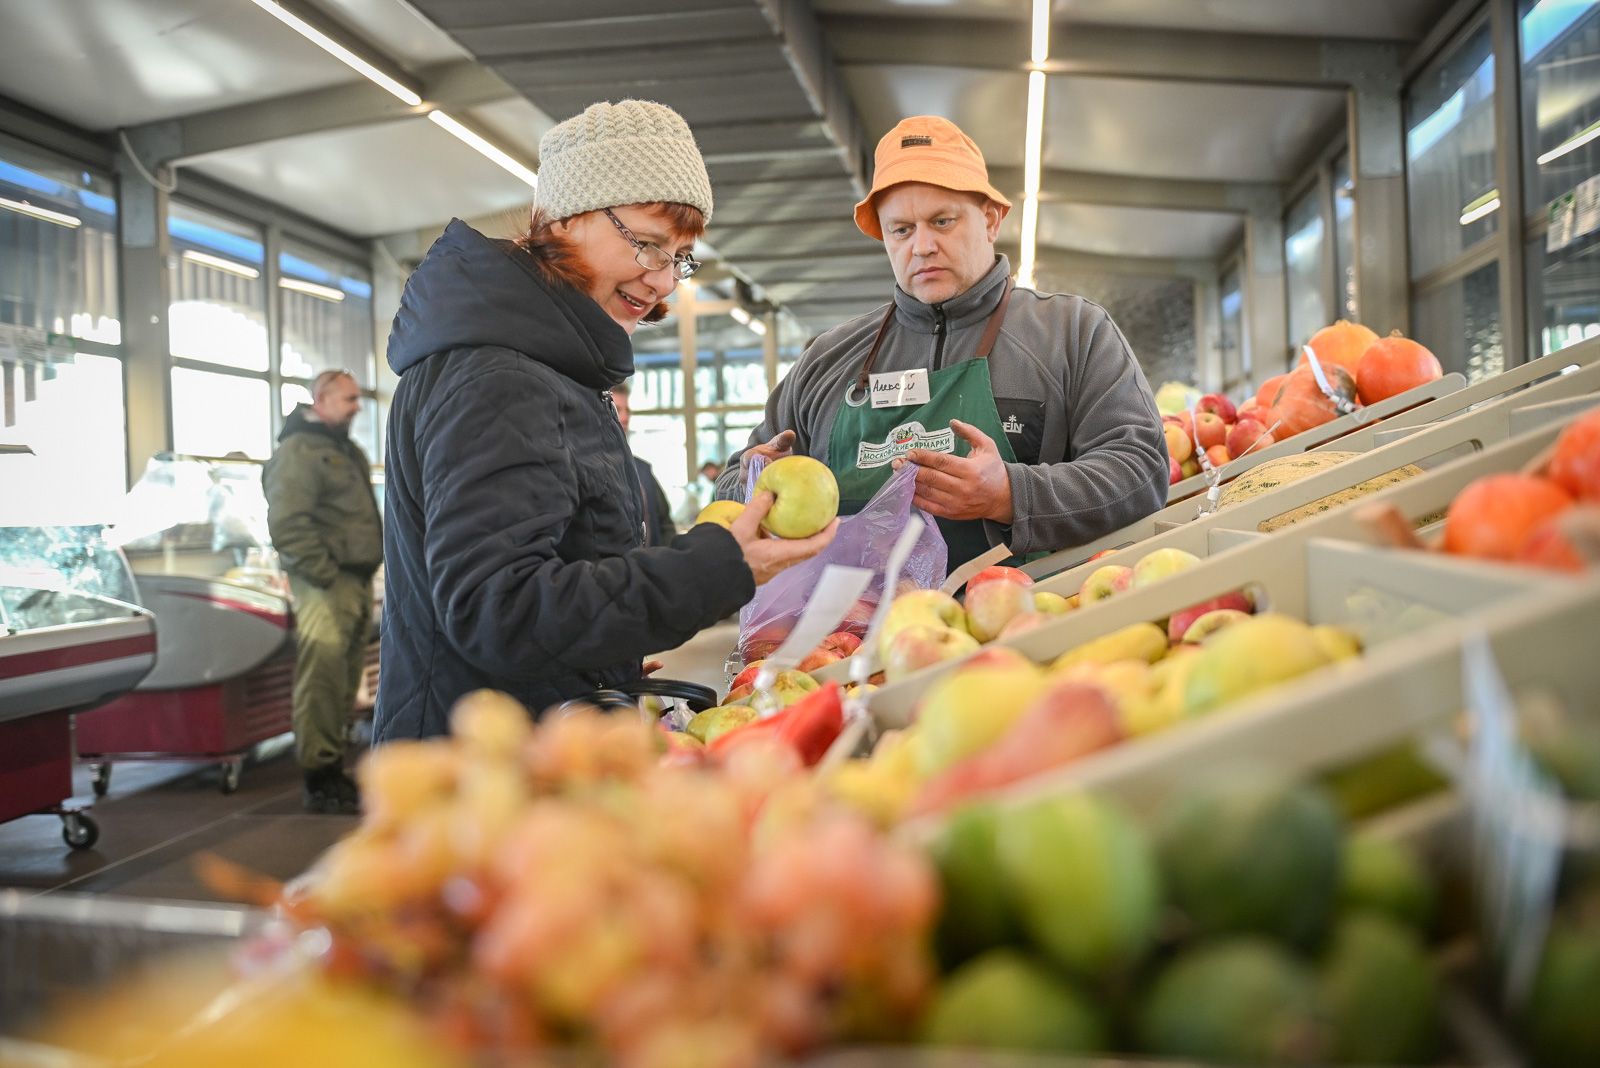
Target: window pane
(218,296)
(367,430)
(729,366)
(1344,238)
(215,414)
(1303,240)
(1231,328)
(722,433)
(58,248)
(659,441)
(1564,292)
(72,417)
(1561,96)
(326,303)
(1449,117)
(1461,323)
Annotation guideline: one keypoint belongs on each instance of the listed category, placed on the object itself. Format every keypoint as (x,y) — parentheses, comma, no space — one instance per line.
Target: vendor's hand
(768,557)
(975,486)
(776,449)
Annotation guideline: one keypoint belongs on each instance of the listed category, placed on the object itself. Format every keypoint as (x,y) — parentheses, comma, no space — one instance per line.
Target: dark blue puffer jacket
(513,544)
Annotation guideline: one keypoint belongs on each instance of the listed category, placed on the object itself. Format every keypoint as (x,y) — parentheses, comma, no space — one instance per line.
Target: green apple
(709,725)
(1051,604)
(722,513)
(920,608)
(807,496)
(1107,580)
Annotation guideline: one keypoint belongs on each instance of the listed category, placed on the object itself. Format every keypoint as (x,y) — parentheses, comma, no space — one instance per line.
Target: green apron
(865,440)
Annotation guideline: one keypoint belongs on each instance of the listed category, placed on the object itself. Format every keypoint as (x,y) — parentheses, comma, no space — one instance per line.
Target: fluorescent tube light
(22,207)
(744,318)
(1030,237)
(390,84)
(479,144)
(1041,31)
(205,259)
(1032,164)
(1487,204)
(1576,141)
(312,289)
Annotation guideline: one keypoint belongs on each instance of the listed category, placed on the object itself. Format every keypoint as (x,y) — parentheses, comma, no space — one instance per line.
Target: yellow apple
(807,496)
(722,513)
(1051,604)
(920,608)
(916,647)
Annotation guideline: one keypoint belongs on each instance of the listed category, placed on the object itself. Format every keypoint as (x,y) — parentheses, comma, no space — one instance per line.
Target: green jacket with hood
(320,508)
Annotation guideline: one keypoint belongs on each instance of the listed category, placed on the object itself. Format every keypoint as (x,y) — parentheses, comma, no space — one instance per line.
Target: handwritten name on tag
(895,389)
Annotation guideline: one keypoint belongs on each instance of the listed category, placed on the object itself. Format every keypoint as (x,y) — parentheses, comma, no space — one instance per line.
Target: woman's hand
(766,556)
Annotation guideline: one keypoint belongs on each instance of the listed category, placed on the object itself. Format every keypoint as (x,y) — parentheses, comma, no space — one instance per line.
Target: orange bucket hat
(926,148)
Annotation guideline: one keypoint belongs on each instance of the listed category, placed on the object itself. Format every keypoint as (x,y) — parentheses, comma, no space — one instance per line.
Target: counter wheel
(230,776)
(79,830)
(102,779)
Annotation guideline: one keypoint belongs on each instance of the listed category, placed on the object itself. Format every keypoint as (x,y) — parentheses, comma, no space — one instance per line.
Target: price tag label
(1340,404)
(958,578)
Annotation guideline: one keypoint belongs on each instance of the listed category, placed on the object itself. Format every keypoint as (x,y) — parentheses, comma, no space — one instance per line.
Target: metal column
(146,299)
(1377,166)
(1266,293)
(1510,237)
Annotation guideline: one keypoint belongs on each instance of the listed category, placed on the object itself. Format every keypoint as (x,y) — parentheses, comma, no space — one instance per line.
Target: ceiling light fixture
(1041,31)
(744,318)
(205,259)
(1032,164)
(312,289)
(1576,141)
(480,144)
(1487,204)
(60,218)
(389,83)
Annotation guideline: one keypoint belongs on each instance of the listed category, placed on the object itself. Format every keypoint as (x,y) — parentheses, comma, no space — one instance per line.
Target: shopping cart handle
(697,697)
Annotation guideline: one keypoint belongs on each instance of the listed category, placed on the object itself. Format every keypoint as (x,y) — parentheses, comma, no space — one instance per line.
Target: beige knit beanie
(630,152)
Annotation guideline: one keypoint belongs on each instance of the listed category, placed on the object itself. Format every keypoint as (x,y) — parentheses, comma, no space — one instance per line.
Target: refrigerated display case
(71,638)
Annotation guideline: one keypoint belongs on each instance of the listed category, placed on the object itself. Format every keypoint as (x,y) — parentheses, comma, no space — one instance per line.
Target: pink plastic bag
(864,540)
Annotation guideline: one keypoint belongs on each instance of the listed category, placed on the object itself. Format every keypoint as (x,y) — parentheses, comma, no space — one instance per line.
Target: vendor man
(1026,412)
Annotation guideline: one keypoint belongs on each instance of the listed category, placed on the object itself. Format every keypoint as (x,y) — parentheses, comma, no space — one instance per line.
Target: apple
(790,686)
(817,659)
(747,677)
(1050,604)
(1209,430)
(1174,471)
(997,656)
(1022,624)
(1101,583)
(740,695)
(1161,564)
(1213,621)
(1183,422)
(969,709)
(1250,404)
(998,571)
(1178,623)
(1218,455)
(926,608)
(918,646)
(1191,467)
(722,513)
(807,496)
(1248,435)
(1218,405)
(1179,447)
(1102,552)
(843,642)
(991,606)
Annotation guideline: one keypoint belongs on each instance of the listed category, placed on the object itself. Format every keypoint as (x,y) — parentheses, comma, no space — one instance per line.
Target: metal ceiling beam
(455,85)
(1126,190)
(1105,51)
(1054,258)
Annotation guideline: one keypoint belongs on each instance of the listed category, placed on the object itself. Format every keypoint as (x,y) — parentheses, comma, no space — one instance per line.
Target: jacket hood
(471,291)
(300,421)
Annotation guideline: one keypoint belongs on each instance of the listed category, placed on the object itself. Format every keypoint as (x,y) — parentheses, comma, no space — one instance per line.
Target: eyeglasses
(652,258)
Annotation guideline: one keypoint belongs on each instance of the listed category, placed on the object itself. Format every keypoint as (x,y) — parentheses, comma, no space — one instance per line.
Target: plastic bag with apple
(864,540)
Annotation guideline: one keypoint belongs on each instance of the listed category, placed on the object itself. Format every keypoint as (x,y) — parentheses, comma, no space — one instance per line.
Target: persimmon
(1495,515)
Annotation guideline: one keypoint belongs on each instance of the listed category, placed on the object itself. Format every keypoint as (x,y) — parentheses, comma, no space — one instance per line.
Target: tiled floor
(158,817)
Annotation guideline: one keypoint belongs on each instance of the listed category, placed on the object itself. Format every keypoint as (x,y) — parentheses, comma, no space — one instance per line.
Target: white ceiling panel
(397,30)
(1140,232)
(1182,130)
(373,180)
(101,64)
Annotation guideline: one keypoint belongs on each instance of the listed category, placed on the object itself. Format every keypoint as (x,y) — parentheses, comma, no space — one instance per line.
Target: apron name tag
(896,389)
(901,440)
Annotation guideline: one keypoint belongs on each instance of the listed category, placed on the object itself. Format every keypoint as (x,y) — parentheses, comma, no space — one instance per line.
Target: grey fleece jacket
(1079,414)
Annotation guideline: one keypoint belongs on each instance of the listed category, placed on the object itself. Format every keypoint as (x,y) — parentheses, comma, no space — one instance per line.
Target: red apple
(1174,471)
(1009,574)
(1209,430)
(747,677)
(994,604)
(1248,435)
(1218,455)
(818,658)
(1218,405)
(1182,421)
(919,646)
(1179,447)
(1178,623)
(843,642)
(1103,581)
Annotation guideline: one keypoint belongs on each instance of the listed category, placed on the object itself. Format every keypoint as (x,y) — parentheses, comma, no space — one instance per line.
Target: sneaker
(325,792)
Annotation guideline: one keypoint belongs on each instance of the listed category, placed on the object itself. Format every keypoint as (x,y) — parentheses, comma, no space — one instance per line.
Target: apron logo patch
(916,141)
(901,440)
(1012,425)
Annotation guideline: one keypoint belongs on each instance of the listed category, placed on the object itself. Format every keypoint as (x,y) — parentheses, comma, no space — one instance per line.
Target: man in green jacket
(326,528)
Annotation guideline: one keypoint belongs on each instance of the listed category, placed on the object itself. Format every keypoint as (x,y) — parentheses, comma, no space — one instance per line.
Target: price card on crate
(1517,823)
(837,591)
(1340,404)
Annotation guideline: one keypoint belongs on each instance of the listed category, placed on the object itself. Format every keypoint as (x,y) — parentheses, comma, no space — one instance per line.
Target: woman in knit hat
(513,544)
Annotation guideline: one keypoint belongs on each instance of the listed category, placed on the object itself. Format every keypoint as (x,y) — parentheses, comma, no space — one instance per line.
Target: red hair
(560,260)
